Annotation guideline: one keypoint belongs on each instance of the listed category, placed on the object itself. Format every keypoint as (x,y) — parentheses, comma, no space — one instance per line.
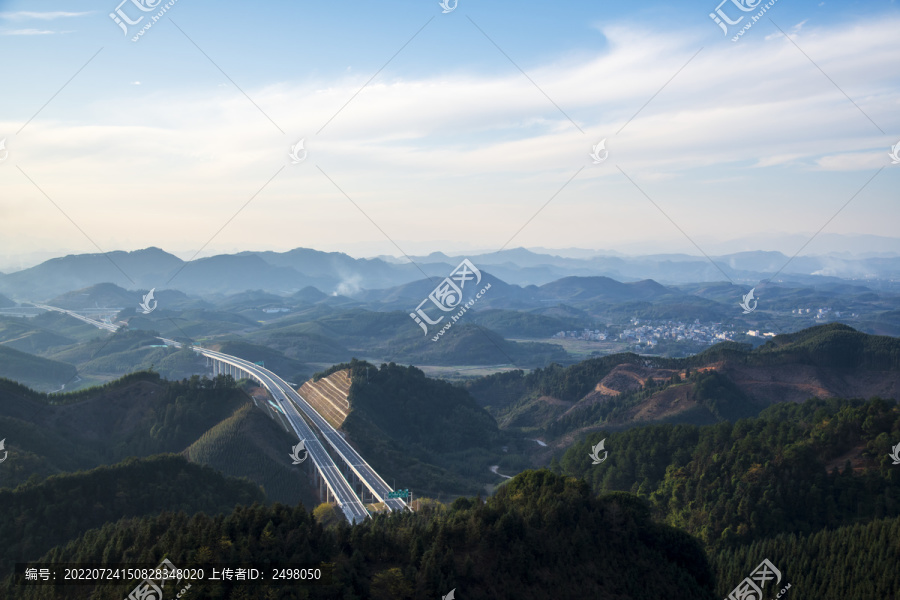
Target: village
(646,335)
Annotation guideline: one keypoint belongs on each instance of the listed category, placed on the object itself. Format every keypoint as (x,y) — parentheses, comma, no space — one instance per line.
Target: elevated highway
(326,469)
(376,485)
(363,472)
(88,320)
(347,496)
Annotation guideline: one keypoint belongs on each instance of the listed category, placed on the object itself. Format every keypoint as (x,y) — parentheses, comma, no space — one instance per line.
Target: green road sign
(399,494)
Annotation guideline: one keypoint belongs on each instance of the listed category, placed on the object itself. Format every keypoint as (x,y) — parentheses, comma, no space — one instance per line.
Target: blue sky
(181,139)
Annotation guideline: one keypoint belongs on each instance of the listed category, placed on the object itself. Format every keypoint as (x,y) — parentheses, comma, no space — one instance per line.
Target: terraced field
(329,396)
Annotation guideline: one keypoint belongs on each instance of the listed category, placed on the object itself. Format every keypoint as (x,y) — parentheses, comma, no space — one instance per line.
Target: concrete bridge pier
(324,492)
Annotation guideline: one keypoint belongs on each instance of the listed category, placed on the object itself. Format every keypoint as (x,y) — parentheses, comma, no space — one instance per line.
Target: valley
(449,299)
(514,396)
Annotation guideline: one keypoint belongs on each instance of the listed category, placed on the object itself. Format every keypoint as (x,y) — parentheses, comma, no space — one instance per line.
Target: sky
(424,130)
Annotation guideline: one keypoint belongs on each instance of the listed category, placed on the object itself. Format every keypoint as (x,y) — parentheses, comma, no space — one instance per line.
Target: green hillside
(855,561)
(192,323)
(542,537)
(685,309)
(566,383)
(137,415)
(38,516)
(63,324)
(675,511)
(797,468)
(97,358)
(426,432)
(517,399)
(22,334)
(274,360)
(718,398)
(833,346)
(110,344)
(251,445)
(515,323)
(178,364)
(470,344)
(394,337)
(34,370)
(307,347)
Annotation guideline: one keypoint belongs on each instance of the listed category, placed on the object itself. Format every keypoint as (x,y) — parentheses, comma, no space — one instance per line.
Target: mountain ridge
(290,271)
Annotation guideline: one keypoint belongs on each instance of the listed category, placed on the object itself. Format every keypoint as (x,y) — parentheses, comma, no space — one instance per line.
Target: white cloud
(853,162)
(27,32)
(43,16)
(420,154)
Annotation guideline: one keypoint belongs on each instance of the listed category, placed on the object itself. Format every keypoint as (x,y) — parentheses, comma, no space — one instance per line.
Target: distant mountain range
(334,273)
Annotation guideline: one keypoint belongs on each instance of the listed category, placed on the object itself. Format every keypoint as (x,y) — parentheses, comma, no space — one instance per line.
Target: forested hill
(38,516)
(429,434)
(855,561)
(542,537)
(210,421)
(833,345)
(793,474)
(404,403)
(727,381)
(137,415)
(34,370)
(796,468)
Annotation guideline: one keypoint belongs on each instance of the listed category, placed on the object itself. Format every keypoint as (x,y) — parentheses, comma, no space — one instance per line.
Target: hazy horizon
(852,247)
(475,126)
(708,189)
